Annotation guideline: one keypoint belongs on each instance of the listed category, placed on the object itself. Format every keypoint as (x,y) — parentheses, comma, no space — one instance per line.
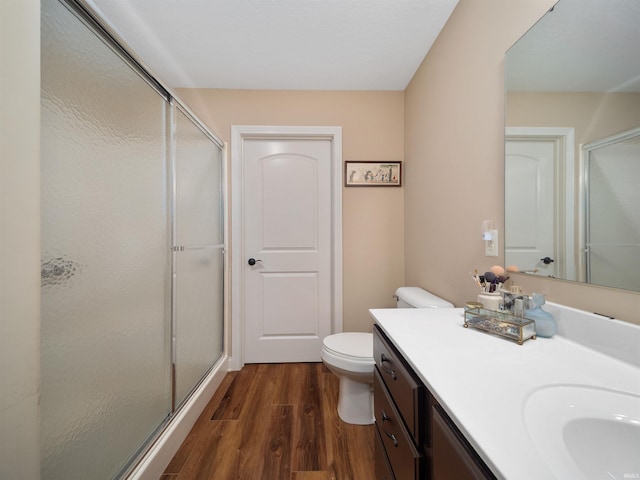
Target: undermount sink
(585,432)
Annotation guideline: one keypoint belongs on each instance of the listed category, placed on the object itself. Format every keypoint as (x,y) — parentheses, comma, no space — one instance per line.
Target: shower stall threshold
(153,463)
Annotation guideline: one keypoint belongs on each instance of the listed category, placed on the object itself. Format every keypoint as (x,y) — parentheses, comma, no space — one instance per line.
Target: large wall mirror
(572,145)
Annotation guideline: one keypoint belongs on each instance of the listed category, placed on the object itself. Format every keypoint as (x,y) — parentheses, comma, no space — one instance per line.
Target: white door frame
(238,134)
(565,187)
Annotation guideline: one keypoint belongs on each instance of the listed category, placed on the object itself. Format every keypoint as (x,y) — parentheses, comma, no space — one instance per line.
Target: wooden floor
(275,422)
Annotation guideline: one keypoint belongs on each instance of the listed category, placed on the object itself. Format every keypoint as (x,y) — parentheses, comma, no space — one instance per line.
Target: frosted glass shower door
(198,252)
(613,220)
(106,259)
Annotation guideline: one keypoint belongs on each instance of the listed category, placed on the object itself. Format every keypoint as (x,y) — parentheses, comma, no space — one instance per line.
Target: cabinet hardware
(390,371)
(385,418)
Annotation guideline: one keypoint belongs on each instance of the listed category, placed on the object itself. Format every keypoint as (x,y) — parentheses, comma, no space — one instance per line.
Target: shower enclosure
(611,217)
(132,251)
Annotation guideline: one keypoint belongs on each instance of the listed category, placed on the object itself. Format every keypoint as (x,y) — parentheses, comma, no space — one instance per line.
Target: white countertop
(482,381)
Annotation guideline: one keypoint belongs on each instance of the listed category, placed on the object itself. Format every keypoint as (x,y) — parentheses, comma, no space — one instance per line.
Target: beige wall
(454,150)
(372,129)
(19,239)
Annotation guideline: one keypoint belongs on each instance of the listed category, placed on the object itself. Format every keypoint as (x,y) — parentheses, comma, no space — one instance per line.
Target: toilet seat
(350,351)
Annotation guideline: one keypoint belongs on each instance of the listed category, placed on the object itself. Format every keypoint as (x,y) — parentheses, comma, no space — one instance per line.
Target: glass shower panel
(199,254)
(198,185)
(199,277)
(106,382)
(613,224)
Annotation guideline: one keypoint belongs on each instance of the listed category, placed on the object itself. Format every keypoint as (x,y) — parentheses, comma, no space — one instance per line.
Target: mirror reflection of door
(612,223)
(529,180)
(536,237)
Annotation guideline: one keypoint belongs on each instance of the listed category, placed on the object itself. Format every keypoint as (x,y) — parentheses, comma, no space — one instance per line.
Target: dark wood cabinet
(416,440)
(401,451)
(383,468)
(409,394)
(453,457)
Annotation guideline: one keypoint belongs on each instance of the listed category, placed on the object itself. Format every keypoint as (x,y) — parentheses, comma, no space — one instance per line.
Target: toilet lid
(352,344)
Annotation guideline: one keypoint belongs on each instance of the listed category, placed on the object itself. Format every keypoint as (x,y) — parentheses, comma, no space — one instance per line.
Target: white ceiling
(279,44)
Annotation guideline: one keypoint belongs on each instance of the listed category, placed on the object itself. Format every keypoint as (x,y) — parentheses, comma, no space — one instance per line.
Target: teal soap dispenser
(546,325)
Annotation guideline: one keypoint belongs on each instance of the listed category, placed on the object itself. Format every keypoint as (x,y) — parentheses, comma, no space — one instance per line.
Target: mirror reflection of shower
(611,214)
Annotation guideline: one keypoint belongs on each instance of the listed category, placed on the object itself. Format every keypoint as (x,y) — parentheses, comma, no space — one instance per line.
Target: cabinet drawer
(383,469)
(406,462)
(408,393)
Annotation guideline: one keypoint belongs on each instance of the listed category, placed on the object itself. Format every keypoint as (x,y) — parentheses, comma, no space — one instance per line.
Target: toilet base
(355,402)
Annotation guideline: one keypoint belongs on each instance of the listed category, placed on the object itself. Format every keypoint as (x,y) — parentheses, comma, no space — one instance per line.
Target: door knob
(547,260)
(252,261)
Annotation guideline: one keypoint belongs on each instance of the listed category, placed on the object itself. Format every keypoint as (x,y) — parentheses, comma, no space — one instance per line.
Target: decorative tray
(502,324)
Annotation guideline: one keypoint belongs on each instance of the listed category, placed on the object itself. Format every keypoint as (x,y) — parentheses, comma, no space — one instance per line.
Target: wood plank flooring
(275,422)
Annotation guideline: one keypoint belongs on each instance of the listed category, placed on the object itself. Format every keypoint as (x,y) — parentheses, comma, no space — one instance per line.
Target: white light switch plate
(491,246)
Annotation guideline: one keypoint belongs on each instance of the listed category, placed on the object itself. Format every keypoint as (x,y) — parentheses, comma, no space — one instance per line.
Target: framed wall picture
(372,174)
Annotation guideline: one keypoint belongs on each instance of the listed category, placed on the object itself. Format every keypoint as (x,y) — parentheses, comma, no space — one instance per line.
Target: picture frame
(360,173)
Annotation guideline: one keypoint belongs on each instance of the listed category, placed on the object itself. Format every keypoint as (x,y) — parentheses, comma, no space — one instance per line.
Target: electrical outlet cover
(491,246)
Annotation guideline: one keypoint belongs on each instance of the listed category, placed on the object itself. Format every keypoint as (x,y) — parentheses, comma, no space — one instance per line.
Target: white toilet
(350,356)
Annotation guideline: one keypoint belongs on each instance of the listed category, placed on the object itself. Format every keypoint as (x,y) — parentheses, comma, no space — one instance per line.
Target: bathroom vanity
(453,402)
(416,439)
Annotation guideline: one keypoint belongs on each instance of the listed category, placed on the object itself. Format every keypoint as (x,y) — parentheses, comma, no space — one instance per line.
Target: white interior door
(530,217)
(288,229)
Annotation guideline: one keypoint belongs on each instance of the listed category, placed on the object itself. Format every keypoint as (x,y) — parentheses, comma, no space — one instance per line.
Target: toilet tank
(416,297)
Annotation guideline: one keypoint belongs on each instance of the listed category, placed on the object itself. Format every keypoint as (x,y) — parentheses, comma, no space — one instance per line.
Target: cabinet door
(453,457)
